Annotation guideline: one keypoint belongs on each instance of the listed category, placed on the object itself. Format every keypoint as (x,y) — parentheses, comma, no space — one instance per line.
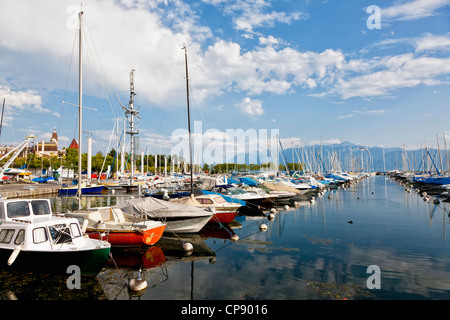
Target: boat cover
(248,181)
(157,208)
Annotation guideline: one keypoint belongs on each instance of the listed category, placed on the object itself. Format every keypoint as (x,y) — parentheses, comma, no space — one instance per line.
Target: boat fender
(137,284)
(263,227)
(273,210)
(14,255)
(234,237)
(187,246)
(286,207)
(84,226)
(271,216)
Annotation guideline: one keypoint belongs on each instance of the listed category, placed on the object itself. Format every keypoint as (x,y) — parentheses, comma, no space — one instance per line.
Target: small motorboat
(110,224)
(32,239)
(224,212)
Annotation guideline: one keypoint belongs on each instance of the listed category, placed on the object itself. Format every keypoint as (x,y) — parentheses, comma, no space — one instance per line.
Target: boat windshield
(236,191)
(40,207)
(17,209)
(220,200)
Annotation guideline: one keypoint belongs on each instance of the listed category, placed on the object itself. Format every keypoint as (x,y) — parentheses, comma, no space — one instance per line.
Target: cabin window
(205,201)
(220,199)
(40,207)
(2,211)
(20,238)
(75,230)
(6,235)
(39,235)
(18,209)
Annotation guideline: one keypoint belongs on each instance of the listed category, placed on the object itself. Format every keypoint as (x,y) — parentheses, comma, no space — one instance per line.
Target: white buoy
(312,199)
(263,227)
(286,207)
(14,255)
(137,284)
(271,216)
(234,237)
(329,196)
(273,210)
(187,247)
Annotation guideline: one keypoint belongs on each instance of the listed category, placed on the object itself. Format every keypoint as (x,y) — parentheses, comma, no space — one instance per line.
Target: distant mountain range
(350,156)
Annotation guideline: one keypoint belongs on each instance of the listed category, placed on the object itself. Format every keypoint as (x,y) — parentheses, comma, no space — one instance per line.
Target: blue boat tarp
(433,180)
(232,180)
(248,181)
(228,199)
(42,180)
(335,177)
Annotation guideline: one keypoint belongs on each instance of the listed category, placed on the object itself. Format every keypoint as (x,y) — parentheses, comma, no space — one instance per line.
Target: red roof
(73,144)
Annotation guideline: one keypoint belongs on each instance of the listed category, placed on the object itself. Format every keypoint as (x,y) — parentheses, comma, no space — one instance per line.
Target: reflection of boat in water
(217,231)
(157,263)
(172,247)
(137,257)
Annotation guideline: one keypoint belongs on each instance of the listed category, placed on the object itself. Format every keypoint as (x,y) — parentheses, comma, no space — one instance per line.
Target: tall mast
(80,108)
(189,117)
(3,110)
(132,130)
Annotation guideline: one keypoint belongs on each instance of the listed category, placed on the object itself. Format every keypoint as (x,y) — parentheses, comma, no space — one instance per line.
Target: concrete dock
(27,190)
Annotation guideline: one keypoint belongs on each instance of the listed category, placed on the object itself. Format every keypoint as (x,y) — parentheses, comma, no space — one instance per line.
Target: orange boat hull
(129,238)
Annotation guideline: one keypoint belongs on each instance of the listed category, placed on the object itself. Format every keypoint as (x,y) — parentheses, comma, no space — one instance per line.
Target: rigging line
(177,68)
(9,116)
(58,126)
(101,72)
(107,150)
(197,105)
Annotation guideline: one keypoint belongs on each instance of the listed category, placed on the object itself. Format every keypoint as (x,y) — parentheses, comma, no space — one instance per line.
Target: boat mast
(189,117)
(80,108)
(3,110)
(132,132)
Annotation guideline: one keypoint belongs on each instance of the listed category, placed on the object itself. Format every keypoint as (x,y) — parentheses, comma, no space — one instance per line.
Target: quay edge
(26,190)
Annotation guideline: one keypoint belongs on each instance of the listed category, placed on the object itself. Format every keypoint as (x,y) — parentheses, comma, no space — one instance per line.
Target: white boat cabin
(29,223)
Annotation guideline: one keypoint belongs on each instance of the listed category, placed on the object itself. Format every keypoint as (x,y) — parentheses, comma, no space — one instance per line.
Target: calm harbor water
(317,251)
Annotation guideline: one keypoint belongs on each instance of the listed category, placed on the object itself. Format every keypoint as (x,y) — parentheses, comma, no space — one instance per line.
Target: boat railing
(144,214)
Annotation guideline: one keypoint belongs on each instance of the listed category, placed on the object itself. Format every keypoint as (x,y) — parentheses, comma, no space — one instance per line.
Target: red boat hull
(129,238)
(223,217)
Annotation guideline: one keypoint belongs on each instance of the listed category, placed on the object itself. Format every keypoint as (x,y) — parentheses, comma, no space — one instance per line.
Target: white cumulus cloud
(250,106)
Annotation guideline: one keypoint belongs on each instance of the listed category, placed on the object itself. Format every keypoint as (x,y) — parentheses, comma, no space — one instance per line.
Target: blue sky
(314,70)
